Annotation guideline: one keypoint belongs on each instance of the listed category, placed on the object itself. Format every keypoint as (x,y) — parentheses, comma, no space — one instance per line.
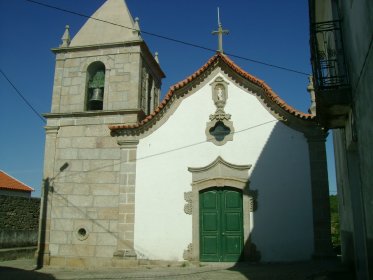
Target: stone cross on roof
(220,32)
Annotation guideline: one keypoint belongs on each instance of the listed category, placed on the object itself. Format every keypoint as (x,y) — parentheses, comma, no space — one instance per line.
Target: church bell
(97,95)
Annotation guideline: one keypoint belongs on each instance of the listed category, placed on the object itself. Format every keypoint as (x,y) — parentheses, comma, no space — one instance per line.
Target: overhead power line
(22,97)
(188,146)
(173,39)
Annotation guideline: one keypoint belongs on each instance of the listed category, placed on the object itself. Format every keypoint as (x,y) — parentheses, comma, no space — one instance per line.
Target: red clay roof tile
(10,183)
(219,56)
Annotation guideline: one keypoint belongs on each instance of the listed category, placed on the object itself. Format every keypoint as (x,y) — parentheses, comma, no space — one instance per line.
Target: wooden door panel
(221,225)
(233,222)
(209,226)
(210,200)
(210,223)
(232,248)
(232,225)
(210,248)
(233,200)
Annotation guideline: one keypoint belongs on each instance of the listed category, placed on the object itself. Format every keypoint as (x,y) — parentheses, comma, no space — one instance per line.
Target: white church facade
(220,170)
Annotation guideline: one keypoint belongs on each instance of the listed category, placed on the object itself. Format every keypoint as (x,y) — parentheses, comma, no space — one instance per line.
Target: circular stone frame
(82,233)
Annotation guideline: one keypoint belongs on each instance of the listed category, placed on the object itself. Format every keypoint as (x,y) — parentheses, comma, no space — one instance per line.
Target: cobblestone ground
(317,270)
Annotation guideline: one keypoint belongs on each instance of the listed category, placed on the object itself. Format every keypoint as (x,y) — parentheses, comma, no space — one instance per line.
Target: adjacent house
(13,187)
(342,58)
(19,214)
(222,169)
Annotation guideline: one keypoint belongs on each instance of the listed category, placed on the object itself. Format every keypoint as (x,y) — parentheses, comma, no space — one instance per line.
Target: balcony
(332,87)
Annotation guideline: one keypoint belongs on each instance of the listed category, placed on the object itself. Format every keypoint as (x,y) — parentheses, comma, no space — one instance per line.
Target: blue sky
(275,32)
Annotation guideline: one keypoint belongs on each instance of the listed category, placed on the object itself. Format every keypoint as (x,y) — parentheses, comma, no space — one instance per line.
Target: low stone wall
(18,238)
(19,220)
(17,253)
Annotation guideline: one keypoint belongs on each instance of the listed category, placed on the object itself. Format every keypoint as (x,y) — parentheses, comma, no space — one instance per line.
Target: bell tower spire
(66,37)
(107,68)
(220,32)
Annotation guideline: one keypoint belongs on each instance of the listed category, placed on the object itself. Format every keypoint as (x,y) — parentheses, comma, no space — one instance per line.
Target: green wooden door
(221,230)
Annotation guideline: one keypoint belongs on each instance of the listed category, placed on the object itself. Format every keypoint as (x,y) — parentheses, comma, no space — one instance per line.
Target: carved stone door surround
(219,173)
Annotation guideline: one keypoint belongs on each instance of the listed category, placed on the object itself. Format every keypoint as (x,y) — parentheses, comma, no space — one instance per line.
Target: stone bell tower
(106,67)
(105,75)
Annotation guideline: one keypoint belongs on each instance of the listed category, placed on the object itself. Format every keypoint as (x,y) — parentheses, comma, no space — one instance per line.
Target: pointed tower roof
(99,30)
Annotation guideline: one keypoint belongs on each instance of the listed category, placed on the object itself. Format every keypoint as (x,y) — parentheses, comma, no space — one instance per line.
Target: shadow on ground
(11,273)
(315,270)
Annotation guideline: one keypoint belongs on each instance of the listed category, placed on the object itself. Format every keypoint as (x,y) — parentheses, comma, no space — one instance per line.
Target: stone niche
(219,129)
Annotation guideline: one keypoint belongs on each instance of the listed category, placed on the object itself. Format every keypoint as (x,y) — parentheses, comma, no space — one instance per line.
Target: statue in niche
(220,92)
(219,129)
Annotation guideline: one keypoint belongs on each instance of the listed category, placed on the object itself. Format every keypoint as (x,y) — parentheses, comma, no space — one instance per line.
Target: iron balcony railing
(327,55)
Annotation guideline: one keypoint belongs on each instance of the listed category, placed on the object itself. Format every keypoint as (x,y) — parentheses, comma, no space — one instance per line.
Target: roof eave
(133,128)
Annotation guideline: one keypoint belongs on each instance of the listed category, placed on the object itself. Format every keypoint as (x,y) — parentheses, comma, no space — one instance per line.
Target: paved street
(317,270)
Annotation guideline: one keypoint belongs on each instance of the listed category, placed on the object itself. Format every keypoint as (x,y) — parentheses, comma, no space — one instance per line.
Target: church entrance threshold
(221,225)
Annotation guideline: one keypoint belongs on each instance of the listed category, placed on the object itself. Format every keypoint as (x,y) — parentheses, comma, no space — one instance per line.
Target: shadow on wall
(282,226)
(280,182)
(48,189)
(40,254)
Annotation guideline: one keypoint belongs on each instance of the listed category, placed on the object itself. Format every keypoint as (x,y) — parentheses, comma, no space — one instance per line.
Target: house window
(95,86)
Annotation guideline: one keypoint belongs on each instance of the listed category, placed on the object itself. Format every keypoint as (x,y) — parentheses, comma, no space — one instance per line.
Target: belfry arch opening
(95,86)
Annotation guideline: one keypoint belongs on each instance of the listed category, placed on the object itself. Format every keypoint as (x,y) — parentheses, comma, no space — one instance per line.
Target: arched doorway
(221,224)
(220,189)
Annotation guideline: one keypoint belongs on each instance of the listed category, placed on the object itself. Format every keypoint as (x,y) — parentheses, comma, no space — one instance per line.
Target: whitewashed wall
(282,224)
